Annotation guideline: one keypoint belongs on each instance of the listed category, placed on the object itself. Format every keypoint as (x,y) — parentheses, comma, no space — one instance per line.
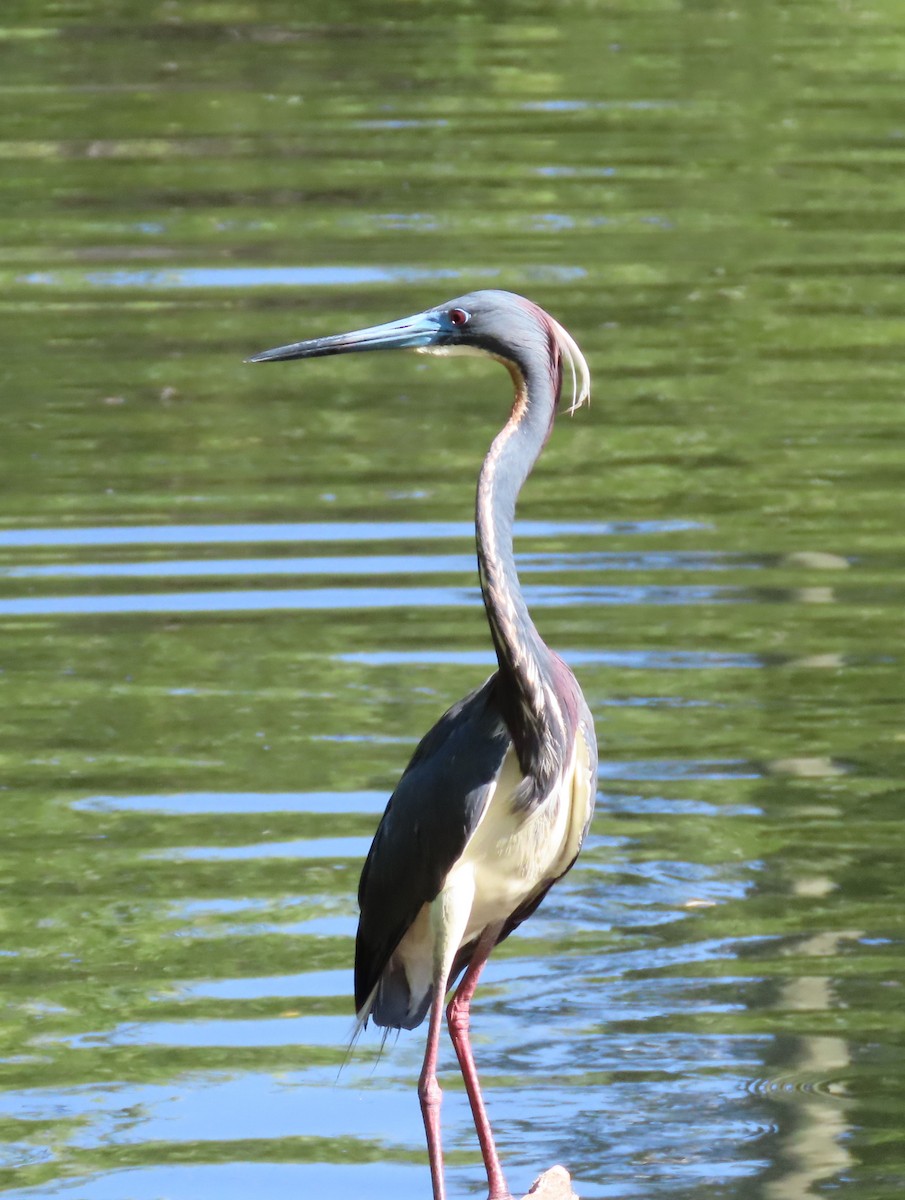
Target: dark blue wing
(430,817)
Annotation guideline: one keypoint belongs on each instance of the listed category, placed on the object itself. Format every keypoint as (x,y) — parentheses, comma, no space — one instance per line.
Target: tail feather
(391,1004)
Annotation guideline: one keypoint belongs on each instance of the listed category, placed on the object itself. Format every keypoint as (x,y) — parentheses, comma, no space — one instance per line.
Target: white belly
(508,858)
(510,853)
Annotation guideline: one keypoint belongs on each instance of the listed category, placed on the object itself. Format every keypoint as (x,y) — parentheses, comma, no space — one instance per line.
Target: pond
(232,598)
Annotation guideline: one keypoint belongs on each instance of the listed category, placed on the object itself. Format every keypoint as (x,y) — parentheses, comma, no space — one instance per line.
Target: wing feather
(433,812)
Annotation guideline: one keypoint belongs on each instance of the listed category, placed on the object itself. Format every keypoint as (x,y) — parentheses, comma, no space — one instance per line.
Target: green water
(232,597)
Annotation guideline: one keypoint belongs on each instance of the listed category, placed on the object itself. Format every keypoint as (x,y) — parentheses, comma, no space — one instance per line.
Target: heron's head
(498,324)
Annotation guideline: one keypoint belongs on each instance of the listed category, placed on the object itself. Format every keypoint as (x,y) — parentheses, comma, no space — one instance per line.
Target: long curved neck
(525,662)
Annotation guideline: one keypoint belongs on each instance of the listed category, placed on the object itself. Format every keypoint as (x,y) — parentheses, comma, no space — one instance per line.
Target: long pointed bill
(410,333)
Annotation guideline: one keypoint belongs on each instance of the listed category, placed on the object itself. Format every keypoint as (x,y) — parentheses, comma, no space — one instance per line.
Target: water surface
(232,598)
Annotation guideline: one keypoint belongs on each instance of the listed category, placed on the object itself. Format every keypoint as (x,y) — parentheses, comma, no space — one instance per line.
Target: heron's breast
(511,853)
(508,857)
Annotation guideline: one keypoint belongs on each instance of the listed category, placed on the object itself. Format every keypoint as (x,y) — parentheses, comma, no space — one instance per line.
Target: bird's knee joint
(429,1093)
(456,1017)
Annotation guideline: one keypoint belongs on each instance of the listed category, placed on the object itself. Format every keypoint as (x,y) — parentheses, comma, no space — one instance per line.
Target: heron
(498,796)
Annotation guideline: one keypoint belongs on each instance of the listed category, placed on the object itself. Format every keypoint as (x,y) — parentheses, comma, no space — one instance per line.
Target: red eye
(458,316)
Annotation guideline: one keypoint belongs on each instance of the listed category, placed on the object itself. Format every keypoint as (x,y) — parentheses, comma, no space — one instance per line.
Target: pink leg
(429,1091)
(458,1017)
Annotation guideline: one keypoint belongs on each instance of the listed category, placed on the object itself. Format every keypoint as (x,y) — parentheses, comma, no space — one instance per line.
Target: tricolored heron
(498,796)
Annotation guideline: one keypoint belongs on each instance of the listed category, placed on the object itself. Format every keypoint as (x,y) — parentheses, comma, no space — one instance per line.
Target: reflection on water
(245,277)
(219,1010)
(232,599)
(333,531)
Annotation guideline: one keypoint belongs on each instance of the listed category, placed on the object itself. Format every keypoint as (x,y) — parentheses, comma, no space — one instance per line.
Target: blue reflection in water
(206,1108)
(179,278)
(201,803)
(334,849)
(244,277)
(318,599)
(316,1030)
(257,987)
(636,660)
(321,531)
(239,1180)
(374,564)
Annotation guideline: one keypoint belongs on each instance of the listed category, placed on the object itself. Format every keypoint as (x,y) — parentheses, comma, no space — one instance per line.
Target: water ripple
(245,277)
(369,564)
(222,803)
(635,660)
(331,599)
(320,531)
(792,1082)
(333,849)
